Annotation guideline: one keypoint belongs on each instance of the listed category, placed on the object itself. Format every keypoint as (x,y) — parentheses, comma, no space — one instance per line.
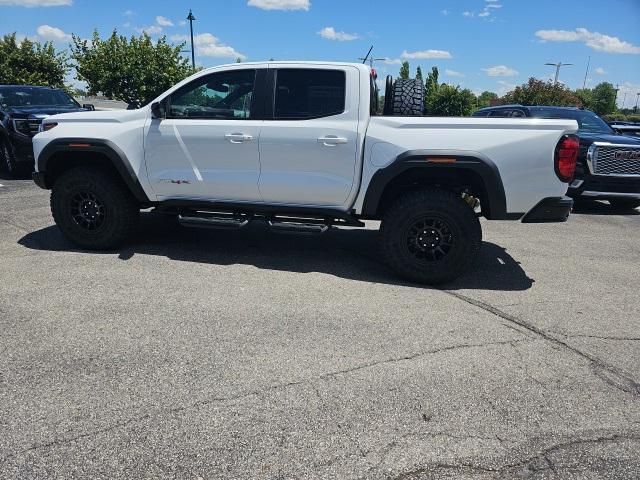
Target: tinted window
(499,113)
(30,96)
(588,121)
(221,95)
(517,114)
(309,93)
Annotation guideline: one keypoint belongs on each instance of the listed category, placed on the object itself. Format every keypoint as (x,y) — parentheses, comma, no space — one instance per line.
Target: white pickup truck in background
(298,144)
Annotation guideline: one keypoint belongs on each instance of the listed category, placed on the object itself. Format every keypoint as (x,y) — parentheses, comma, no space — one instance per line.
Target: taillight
(566,157)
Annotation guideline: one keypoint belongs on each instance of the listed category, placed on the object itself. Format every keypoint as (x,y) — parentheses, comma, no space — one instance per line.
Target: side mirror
(157,109)
(89,106)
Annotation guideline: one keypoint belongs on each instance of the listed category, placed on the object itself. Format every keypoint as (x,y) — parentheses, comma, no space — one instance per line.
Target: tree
(32,63)
(604,98)
(419,74)
(586,97)
(134,70)
(404,70)
(538,92)
(450,101)
(484,100)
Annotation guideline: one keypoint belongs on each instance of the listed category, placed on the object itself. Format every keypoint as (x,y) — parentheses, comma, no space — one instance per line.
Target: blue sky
(479,44)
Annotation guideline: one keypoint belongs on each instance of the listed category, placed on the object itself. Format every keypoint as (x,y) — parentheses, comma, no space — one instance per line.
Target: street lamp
(558,65)
(191,18)
(635,109)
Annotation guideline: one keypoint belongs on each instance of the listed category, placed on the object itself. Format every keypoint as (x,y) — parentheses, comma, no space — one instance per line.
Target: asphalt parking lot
(250,355)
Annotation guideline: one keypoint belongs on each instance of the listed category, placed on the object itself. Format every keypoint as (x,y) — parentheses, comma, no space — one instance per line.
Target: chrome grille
(610,159)
(34,125)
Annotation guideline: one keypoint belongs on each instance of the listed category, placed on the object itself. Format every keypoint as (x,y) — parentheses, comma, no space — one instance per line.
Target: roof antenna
(364,60)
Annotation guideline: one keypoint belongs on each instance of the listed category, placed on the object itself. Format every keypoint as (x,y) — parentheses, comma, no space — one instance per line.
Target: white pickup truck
(299,145)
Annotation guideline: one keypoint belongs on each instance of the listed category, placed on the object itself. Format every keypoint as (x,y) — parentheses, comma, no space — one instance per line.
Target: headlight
(45,127)
(21,126)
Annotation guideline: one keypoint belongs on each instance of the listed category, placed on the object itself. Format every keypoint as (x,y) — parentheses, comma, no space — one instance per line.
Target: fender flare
(110,150)
(428,160)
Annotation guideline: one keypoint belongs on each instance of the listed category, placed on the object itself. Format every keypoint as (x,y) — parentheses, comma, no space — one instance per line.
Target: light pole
(584,84)
(615,99)
(558,65)
(191,18)
(624,99)
(635,109)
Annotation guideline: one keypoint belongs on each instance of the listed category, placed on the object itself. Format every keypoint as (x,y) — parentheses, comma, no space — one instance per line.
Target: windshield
(30,97)
(588,122)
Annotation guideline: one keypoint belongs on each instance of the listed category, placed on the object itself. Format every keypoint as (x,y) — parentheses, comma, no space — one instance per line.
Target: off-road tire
(8,162)
(445,207)
(120,211)
(624,203)
(408,98)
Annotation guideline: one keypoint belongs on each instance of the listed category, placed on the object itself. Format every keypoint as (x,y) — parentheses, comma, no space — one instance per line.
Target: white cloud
(505,87)
(52,34)
(600,71)
(330,34)
(453,73)
(445,12)
(127,13)
(163,21)
(37,3)
(126,24)
(594,40)
(208,45)
(426,54)
(500,71)
(280,4)
(631,90)
(182,23)
(392,61)
(484,13)
(493,5)
(150,30)
(468,14)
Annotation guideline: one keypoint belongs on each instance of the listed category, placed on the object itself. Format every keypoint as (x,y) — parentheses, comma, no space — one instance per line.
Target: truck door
(309,139)
(207,146)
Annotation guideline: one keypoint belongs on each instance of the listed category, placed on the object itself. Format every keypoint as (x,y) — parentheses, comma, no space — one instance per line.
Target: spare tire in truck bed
(404,98)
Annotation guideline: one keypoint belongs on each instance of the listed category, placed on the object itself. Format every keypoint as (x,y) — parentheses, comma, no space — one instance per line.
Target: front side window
(225,95)
(309,93)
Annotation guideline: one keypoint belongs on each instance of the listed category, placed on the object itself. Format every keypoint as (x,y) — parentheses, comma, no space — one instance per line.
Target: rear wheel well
(457,180)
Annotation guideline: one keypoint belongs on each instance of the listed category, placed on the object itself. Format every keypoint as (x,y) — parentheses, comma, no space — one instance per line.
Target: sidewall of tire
(121,212)
(439,204)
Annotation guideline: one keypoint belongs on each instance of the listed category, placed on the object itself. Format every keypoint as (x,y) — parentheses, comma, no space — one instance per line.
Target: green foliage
(484,100)
(31,63)
(419,74)
(586,97)
(450,101)
(604,99)
(538,92)
(404,70)
(431,84)
(134,70)
(621,117)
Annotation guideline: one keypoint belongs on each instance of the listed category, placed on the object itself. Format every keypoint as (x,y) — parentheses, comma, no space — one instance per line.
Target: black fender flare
(438,162)
(108,149)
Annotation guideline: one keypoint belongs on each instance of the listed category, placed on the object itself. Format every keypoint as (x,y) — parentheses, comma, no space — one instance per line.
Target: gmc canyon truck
(298,145)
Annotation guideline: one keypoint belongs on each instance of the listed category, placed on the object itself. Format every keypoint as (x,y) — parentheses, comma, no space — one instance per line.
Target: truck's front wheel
(93,209)
(430,236)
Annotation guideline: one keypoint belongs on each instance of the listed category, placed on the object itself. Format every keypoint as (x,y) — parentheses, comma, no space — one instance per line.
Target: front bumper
(22,148)
(550,209)
(39,179)
(605,187)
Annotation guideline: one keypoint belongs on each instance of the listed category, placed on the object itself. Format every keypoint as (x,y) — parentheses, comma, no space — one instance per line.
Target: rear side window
(500,113)
(302,93)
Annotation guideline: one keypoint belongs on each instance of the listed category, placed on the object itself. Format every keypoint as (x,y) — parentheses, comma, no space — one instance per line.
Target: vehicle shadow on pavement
(601,208)
(346,253)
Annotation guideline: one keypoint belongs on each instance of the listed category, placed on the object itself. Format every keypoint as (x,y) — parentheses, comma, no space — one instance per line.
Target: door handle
(238,137)
(332,140)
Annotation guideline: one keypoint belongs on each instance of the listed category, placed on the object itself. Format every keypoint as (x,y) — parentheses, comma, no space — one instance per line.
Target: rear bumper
(550,209)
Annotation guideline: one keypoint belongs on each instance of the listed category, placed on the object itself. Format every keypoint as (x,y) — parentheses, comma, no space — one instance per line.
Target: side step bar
(292,226)
(212,221)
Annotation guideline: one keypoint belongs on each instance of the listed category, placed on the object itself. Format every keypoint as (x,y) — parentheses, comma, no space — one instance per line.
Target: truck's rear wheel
(93,209)
(430,236)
